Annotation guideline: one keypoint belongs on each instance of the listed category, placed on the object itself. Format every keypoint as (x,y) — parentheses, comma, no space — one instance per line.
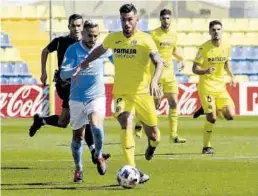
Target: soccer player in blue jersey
(87,97)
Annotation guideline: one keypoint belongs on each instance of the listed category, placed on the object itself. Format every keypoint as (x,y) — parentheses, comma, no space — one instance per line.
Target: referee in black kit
(60,44)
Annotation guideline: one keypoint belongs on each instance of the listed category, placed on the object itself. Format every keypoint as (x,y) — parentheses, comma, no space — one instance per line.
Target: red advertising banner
(27,100)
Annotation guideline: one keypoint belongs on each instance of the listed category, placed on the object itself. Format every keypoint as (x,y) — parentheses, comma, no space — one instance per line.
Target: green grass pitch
(43,165)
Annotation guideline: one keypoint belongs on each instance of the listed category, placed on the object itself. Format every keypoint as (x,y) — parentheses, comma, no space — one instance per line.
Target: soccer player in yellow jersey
(166,42)
(133,52)
(210,62)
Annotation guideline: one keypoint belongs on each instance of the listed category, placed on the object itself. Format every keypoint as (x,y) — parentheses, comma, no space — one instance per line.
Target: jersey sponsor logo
(165,44)
(218,59)
(127,53)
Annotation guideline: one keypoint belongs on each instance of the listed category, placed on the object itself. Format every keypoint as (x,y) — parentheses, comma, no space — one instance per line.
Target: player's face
(165,21)
(129,22)
(216,32)
(90,36)
(75,28)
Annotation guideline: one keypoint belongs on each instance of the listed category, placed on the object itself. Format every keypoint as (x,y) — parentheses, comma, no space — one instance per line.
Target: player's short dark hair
(214,22)
(90,24)
(165,12)
(74,17)
(127,8)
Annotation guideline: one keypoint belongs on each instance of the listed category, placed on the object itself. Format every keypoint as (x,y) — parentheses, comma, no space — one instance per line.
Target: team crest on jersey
(133,42)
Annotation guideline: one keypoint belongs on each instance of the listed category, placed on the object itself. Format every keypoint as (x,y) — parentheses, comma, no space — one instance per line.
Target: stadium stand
(33,35)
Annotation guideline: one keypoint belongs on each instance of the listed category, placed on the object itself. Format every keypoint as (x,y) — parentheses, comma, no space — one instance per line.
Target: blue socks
(77,150)
(98,135)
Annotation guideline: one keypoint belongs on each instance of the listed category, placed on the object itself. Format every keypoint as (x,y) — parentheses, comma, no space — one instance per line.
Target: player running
(60,44)
(133,51)
(87,97)
(210,62)
(166,42)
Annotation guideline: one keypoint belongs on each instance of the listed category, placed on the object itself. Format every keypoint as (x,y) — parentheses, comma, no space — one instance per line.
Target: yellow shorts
(140,105)
(215,101)
(168,84)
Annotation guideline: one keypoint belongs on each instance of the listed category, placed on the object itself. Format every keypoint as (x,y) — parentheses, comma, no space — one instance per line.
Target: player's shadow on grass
(169,154)
(7,168)
(105,187)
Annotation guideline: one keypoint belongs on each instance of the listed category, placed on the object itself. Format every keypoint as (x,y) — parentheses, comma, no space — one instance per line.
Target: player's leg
(78,125)
(145,110)
(170,89)
(125,112)
(125,115)
(54,120)
(226,105)
(208,104)
(173,118)
(96,113)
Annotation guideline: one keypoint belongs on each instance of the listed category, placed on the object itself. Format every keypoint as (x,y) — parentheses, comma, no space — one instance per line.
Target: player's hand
(210,70)
(233,81)
(181,65)
(43,77)
(154,89)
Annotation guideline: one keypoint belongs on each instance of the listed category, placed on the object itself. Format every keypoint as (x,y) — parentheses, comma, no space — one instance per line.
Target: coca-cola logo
(25,101)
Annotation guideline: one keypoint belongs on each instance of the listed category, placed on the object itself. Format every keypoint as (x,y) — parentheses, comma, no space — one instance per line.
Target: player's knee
(155,135)
(211,119)
(78,134)
(63,123)
(125,121)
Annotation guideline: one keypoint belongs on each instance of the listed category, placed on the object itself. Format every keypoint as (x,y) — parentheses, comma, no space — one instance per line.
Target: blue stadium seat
(240,67)
(182,79)
(21,69)
(112,23)
(5,41)
(15,81)
(253,78)
(143,25)
(29,80)
(251,53)
(6,69)
(238,53)
(3,81)
(253,67)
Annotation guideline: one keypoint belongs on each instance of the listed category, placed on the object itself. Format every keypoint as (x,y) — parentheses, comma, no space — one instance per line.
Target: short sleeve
(53,45)
(69,58)
(151,46)
(107,43)
(199,56)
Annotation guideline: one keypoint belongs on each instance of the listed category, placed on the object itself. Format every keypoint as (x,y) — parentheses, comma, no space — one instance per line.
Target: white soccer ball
(128,176)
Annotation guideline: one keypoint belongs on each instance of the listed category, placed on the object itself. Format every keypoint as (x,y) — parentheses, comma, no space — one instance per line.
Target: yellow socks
(172,118)
(207,133)
(128,146)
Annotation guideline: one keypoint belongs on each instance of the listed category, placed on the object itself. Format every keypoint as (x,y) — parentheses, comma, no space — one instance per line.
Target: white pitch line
(203,157)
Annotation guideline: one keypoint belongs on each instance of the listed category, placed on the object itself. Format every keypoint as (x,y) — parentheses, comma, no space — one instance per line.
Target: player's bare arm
(229,72)
(96,53)
(158,62)
(177,53)
(200,71)
(44,55)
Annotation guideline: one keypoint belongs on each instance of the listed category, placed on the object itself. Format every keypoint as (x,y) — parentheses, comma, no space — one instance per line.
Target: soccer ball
(128,176)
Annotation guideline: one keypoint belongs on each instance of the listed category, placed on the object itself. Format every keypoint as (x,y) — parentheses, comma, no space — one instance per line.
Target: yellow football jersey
(132,61)
(210,55)
(166,42)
